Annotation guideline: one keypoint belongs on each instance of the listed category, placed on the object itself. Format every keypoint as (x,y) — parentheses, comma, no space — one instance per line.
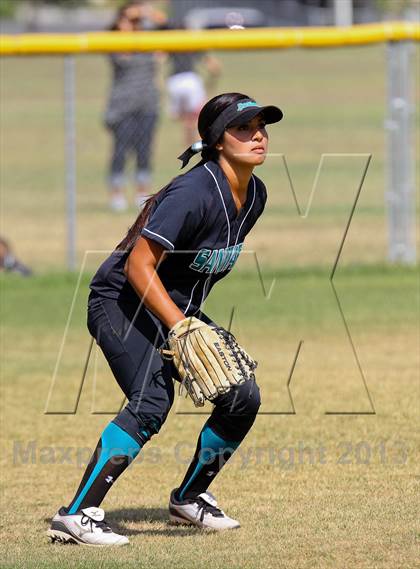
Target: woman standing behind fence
(132,110)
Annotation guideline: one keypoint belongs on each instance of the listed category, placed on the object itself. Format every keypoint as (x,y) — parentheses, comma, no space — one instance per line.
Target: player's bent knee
(246,399)
(139,424)
(235,412)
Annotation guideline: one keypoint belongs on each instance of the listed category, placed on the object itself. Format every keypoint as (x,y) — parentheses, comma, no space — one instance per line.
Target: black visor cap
(270,113)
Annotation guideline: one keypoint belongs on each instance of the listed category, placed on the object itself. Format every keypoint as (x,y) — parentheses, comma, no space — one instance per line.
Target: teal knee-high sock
(113,454)
(210,456)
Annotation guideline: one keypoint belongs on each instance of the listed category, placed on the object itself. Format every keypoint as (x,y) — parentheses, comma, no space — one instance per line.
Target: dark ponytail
(207,116)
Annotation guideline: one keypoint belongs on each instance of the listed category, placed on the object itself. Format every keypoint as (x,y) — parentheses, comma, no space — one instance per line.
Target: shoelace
(206,508)
(102,525)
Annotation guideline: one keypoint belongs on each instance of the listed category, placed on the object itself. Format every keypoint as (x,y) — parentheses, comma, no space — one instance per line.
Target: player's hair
(207,116)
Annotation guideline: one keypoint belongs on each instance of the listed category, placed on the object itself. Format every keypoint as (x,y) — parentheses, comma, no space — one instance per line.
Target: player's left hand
(208,359)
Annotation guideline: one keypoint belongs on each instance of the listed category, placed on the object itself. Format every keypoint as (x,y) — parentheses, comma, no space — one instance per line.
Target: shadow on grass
(119,518)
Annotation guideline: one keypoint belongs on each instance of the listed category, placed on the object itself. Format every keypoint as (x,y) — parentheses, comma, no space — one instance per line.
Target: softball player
(187,238)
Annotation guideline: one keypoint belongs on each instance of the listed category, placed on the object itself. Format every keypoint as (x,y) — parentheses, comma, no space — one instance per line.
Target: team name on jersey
(216,260)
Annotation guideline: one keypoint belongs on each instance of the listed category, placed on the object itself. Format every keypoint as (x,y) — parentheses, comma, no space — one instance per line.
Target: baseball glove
(208,359)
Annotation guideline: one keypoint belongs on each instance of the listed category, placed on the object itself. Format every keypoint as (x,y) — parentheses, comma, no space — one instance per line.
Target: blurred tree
(63,3)
(396,7)
(7,8)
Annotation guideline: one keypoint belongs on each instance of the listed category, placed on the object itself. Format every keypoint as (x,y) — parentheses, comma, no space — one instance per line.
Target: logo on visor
(242,106)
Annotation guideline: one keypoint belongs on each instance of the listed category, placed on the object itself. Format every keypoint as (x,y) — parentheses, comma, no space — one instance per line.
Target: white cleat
(201,512)
(87,528)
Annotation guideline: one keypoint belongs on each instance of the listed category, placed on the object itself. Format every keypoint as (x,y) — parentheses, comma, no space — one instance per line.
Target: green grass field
(347,498)
(334,484)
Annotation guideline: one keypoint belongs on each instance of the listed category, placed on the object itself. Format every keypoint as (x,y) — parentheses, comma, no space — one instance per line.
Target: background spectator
(132,110)
(186,89)
(9,262)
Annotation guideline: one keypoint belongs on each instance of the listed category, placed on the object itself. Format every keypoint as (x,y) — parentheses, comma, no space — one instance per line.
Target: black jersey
(196,220)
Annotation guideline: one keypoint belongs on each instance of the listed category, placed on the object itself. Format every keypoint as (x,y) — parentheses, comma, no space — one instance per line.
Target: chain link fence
(334,101)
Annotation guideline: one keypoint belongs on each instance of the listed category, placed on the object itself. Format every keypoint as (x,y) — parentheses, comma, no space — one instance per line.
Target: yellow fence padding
(196,40)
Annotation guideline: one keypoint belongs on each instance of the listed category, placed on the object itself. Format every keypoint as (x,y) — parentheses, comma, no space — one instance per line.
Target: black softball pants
(129,338)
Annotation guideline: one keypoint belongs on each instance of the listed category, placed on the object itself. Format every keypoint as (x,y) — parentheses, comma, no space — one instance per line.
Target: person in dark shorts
(188,237)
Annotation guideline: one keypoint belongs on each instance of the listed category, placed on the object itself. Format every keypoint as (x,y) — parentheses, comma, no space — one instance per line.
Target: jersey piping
(246,215)
(203,296)
(160,236)
(223,202)
(191,297)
